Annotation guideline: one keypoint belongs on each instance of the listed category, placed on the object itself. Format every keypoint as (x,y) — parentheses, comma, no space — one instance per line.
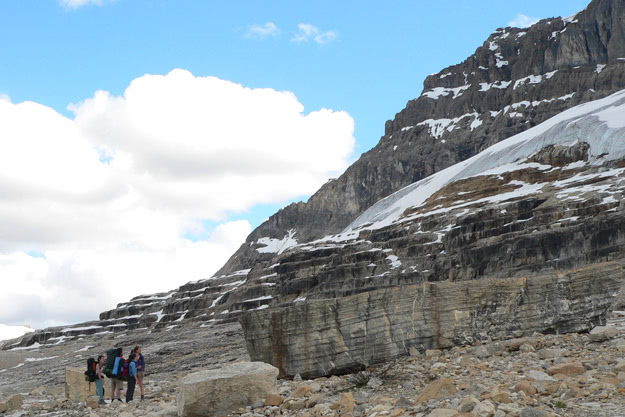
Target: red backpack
(123,370)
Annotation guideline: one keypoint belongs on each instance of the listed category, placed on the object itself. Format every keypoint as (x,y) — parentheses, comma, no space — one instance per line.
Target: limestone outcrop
(351,333)
(219,392)
(12,403)
(76,387)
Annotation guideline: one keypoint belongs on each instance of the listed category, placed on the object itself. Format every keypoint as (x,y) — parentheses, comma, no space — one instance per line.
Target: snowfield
(11,332)
(600,123)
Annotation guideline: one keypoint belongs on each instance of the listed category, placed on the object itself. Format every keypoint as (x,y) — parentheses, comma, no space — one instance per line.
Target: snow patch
(444,92)
(31,347)
(13,332)
(394,260)
(72,329)
(86,348)
(497,84)
(437,127)
(576,122)
(277,245)
(39,359)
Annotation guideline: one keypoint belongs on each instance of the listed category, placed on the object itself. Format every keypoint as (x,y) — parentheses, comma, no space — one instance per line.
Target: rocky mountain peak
(517,79)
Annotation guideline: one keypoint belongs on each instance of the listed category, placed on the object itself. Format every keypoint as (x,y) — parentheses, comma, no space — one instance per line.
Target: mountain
(527,236)
(517,79)
(508,166)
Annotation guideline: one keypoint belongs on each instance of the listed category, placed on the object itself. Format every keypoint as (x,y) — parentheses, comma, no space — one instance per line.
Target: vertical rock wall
(342,335)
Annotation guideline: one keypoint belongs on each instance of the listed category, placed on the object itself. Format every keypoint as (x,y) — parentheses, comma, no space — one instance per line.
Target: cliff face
(528,235)
(351,333)
(517,79)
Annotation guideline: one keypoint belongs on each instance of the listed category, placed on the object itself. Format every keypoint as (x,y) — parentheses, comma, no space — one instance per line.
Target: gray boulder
(601,334)
(220,391)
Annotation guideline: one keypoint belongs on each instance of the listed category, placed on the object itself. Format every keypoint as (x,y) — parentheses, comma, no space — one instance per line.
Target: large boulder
(76,387)
(443,387)
(601,334)
(12,403)
(220,391)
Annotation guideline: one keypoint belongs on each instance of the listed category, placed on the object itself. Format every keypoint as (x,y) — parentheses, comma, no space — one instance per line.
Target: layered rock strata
(351,333)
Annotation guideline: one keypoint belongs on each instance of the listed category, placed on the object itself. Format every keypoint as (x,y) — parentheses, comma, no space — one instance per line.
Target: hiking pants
(99,388)
(130,391)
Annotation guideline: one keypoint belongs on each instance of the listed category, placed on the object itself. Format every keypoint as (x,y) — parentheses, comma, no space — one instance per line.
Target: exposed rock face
(219,392)
(354,332)
(473,227)
(517,79)
(76,387)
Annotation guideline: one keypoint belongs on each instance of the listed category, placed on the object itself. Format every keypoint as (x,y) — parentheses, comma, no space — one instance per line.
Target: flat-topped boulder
(221,391)
(77,388)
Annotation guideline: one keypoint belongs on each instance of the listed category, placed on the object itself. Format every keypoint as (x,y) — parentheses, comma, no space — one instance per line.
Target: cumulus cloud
(108,199)
(267,30)
(307,33)
(523,21)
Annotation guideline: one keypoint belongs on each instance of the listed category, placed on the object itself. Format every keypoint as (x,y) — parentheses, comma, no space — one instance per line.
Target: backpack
(91,374)
(111,355)
(124,367)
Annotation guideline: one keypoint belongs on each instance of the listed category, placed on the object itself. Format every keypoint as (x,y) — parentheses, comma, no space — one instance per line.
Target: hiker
(132,377)
(140,360)
(99,382)
(117,385)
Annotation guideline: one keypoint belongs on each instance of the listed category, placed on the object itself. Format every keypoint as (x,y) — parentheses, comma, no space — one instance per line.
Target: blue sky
(56,55)
(152,177)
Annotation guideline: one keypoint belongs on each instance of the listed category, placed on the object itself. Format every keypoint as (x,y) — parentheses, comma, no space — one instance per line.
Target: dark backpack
(91,374)
(123,370)
(111,354)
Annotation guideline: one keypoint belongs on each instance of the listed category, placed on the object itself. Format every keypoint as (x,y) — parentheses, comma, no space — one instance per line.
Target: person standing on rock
(140,360)
(99,382)
(117,385)
(132,377)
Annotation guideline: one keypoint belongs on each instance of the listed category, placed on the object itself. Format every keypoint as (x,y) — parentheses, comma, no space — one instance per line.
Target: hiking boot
(101,402)
(142,397)
(120,400)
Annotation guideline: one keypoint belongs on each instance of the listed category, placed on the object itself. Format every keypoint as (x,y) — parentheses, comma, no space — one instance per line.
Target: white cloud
(267,30)
(108,197)
(74,4)
(307,32)
(522,21)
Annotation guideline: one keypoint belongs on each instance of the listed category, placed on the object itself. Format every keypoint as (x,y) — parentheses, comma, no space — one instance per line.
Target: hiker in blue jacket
(132,377)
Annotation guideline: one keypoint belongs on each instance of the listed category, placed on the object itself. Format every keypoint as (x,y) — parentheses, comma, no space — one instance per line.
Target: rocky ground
(542,375)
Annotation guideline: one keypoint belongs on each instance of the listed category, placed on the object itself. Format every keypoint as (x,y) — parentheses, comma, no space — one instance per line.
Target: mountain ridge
(465,96)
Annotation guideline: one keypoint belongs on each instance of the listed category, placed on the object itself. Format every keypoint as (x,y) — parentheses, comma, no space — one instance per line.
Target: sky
(142,140)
